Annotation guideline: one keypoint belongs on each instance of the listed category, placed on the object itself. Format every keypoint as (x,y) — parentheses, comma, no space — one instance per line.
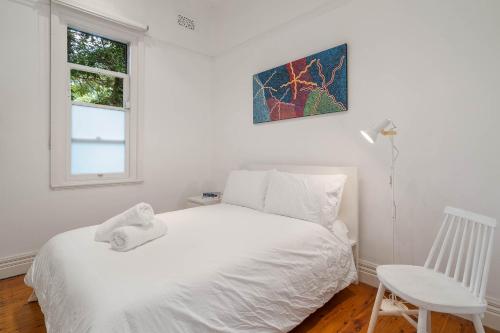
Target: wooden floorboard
(347,312)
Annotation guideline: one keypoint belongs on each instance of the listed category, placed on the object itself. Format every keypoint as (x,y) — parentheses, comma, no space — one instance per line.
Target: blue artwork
(309,86)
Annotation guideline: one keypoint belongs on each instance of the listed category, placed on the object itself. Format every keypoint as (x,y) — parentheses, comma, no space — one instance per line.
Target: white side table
(355,252)
(200,201)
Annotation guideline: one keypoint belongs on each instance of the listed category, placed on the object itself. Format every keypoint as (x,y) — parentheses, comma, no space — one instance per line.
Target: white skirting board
(16,265)
(368,275)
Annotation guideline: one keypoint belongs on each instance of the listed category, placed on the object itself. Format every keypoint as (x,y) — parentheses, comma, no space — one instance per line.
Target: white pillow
(246,188)
(314,198)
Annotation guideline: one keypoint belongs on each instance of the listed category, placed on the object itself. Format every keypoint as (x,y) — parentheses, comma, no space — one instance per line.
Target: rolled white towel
(140,214)
(129,237)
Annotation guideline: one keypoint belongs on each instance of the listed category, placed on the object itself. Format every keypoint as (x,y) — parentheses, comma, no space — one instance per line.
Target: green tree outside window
(98,52)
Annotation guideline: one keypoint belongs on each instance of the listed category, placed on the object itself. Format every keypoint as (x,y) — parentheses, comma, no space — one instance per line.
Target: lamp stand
(393,304)
(394,157)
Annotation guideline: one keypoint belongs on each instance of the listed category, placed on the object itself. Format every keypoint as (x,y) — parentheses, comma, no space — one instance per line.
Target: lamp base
(393,305)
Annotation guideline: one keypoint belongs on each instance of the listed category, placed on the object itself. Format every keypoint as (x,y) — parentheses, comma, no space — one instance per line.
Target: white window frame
(62,17)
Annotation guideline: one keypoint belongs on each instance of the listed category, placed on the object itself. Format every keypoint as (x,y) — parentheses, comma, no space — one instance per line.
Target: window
(97,73)
(95,100)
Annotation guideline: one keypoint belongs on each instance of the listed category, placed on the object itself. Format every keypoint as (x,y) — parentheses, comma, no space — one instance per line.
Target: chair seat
(428,289)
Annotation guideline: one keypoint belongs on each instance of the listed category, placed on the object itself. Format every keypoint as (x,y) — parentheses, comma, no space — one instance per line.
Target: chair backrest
(465,244)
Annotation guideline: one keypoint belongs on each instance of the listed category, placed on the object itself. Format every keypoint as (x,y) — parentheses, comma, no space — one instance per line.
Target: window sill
(95,183)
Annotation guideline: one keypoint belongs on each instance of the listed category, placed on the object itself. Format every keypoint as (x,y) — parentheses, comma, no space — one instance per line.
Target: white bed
(221,268)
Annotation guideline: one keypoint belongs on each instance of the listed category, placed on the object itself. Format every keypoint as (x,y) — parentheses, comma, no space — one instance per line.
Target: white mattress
(220,268)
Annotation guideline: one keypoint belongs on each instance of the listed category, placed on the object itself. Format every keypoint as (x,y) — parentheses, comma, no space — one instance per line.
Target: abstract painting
(310,86)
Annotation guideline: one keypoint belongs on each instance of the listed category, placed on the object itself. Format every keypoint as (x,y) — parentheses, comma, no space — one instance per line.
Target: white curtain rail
(96,13)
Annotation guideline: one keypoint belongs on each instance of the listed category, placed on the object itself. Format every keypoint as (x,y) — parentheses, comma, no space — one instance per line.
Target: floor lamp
(387,128)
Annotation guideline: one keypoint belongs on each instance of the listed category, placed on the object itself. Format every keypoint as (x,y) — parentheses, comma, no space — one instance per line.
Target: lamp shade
(372,134)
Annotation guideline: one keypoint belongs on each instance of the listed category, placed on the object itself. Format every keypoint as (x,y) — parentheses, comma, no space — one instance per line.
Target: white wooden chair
(453,279)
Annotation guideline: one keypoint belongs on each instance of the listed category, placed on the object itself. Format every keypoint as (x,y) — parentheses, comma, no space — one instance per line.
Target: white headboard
(349,206)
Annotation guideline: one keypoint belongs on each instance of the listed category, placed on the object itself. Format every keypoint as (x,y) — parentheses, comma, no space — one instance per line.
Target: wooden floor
(348,311)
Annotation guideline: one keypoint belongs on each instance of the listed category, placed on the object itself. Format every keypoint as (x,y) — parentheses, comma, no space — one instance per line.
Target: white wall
(176,149)
(431,66)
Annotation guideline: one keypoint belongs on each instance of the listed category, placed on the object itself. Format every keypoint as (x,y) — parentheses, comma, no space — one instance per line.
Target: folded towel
(129,237)
(140,214)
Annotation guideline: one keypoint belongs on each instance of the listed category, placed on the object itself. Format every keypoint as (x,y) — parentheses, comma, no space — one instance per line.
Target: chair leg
(422,321)
(429,322)
(376,308)
(478,325)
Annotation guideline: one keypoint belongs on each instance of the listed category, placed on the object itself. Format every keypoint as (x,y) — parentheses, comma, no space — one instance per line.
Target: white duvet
(221,268)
